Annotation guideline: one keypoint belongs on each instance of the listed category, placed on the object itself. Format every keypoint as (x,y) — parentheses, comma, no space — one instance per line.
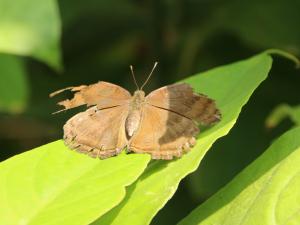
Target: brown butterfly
(163,123)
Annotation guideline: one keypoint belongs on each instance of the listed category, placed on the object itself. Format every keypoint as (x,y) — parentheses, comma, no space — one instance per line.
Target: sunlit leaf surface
(54,185)
(266,192)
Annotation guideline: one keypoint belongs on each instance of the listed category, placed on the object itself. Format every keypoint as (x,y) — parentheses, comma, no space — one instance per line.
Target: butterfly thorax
(134,114)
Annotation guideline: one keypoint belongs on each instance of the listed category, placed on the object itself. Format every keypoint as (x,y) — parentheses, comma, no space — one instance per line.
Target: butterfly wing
(163,133)
(169,121)
(181,99)
(102,94)
(99,133)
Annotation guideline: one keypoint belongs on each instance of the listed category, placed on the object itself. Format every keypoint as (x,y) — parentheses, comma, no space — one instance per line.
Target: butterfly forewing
(102,94)
(181,99)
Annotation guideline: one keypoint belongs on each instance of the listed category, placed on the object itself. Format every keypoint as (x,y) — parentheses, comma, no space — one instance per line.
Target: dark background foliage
(100,39)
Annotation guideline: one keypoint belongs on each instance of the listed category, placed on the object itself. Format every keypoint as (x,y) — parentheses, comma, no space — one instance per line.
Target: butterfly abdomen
(132,122)
(134,115)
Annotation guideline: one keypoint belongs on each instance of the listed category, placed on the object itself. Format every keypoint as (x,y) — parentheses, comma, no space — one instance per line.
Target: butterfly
(163,124)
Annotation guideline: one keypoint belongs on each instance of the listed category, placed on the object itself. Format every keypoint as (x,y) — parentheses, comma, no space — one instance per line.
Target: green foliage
(31,28)
(14,85)
(281,112)
(53,185)
(266,192)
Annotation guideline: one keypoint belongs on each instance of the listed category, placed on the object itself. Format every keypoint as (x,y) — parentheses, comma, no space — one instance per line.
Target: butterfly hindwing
(99,133)
(163,134)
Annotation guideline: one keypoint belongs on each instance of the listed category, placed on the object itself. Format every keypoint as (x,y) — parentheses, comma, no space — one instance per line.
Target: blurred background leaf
(31,28)
(282,112)
(14,89)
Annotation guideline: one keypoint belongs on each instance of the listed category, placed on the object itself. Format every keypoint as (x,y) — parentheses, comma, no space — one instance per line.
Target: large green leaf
(31,28)
(53,185)
(13,84)
(266,192)
(231,86)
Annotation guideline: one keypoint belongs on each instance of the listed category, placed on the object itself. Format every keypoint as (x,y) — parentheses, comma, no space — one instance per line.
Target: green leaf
(31,28)
(231,86)
(53,185)
(13,84)
(266,192)
(281,112)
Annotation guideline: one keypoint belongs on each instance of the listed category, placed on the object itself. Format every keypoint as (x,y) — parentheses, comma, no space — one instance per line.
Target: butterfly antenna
(131,68)
(155,64)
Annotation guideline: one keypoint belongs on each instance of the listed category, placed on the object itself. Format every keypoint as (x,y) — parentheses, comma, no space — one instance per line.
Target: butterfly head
(139,95)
